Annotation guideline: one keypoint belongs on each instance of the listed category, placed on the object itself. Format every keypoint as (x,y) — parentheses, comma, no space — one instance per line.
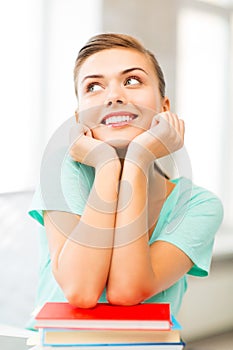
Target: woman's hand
(87,150)
(165,136)
(74,240)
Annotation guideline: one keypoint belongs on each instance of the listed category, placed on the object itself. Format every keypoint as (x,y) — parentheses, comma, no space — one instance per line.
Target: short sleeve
(192,225)
(64,186)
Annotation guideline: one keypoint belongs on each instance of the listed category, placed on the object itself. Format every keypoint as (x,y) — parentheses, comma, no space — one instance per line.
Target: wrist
(140,156)
(109,160)
(102,155)
(105,186)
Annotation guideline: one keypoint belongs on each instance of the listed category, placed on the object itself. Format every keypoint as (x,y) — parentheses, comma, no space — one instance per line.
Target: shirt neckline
(166,207)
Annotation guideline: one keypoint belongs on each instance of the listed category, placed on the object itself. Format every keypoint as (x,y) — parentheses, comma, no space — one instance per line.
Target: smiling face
(118,93)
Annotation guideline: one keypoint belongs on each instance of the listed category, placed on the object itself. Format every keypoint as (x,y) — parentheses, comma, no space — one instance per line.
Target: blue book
(146,346)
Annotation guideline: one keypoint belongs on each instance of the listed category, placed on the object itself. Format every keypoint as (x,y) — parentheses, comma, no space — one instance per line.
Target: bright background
(193,41)
(40,40)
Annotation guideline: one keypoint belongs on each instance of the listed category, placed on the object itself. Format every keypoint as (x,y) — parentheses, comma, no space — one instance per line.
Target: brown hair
(106,41)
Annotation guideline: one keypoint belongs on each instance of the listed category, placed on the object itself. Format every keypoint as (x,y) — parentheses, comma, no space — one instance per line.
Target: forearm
(82,265)
(131,277)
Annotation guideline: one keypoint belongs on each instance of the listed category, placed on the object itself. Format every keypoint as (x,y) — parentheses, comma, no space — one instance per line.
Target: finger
(87,131)
(76,116)
(155,121)
(161,118)
(180,133)
(76,132)
(182,128)
(164,115)
(166,120)
(176,123)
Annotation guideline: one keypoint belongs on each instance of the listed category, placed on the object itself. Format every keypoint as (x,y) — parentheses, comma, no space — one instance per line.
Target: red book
(105,316)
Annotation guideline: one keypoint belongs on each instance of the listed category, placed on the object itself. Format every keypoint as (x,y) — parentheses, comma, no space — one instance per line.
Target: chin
(118,143)
(117,138)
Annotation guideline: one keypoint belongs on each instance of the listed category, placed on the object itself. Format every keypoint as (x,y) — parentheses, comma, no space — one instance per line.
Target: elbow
(75,294)
(80,299)
(127,296)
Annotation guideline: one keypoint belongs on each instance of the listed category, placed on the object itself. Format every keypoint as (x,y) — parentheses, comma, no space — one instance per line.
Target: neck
(121,152)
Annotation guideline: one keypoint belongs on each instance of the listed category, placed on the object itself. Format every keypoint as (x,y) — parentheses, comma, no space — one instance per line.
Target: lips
(118,119)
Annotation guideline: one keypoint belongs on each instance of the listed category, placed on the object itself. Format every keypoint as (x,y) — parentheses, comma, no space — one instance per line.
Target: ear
(166,104)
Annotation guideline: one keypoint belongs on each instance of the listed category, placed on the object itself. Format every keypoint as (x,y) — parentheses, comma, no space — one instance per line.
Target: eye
(133,81)
(93,87)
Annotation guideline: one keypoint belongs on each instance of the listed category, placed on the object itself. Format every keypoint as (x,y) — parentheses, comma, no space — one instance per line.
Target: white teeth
(118,119)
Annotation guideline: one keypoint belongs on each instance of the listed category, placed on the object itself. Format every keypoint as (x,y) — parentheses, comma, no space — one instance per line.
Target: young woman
(126,234)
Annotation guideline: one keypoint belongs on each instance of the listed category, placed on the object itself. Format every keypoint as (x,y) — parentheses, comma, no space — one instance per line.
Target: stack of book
(109,327)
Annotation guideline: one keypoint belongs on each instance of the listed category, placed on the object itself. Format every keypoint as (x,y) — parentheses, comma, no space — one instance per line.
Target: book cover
(105,316)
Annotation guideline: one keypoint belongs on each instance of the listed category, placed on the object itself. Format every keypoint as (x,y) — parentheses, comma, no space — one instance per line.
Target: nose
(115,95)
(112,102)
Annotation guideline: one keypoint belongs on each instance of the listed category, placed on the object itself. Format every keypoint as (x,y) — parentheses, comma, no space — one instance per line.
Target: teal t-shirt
(189,219)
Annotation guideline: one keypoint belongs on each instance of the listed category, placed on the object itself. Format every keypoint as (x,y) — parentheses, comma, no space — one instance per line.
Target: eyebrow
(100,76)
(132,69)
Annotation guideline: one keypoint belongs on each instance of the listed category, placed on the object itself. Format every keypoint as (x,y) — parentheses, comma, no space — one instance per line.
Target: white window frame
(224,239)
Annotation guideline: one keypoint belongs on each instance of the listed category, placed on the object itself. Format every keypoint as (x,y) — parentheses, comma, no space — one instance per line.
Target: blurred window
(204,88)
(39,44)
